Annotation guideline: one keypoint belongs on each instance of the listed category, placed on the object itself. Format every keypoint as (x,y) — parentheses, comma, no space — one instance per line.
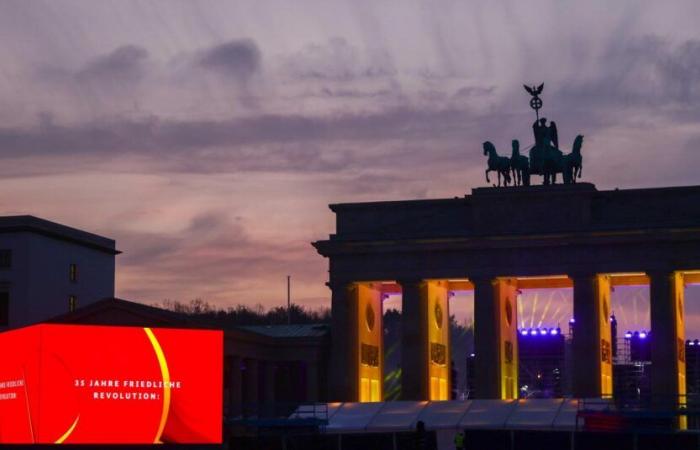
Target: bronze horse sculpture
(520,166)
(574,160)
(498,164)
(548,161)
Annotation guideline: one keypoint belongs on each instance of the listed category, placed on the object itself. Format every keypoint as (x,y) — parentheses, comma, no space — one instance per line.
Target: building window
(72,303)
(5,258)
(73,273)
(4,308)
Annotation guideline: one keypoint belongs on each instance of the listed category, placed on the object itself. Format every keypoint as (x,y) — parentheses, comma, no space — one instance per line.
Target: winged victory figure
(534,90)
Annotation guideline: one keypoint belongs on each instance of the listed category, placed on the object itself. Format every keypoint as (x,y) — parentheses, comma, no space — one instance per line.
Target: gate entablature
(519,211)
(550,282)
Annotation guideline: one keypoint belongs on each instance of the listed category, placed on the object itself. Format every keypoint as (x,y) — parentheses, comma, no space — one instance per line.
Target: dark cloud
(680,70)
(168,136)
(123,65)
(238,59)
(352,93)
(469,92)
(202,231)
(647,73)
(339,61)
(108,80)
(393,139)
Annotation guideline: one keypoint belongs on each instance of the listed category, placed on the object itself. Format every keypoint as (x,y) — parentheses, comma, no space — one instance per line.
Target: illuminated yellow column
(425,345)
(666,295)
(370,342)
(438,339)
(356,369)
(592,340)
(602,286)
(496,337)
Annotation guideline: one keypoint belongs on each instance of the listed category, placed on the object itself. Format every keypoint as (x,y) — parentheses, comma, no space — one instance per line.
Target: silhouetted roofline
(534,189)
(147,311)
(290,331)
(32,224)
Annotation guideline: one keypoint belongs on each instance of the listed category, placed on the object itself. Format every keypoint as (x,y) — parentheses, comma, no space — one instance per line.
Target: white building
(48,269)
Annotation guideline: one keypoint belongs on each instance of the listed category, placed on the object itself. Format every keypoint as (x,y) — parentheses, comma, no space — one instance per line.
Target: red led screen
(101,385)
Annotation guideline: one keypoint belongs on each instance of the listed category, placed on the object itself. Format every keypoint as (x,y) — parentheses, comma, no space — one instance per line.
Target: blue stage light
(543,331)
(628,335)
(554,331)
(642,335)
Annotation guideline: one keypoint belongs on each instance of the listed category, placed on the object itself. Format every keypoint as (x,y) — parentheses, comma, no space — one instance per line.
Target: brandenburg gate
(495,242)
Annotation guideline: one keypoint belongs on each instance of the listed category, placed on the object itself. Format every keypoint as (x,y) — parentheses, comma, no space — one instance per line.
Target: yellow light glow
(438,316)
(370,341)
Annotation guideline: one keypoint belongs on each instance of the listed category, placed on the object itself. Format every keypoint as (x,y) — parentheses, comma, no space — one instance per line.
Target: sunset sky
(209,137)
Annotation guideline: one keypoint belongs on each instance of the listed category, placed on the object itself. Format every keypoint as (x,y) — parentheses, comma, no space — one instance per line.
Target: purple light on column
(642,335)
(572,320)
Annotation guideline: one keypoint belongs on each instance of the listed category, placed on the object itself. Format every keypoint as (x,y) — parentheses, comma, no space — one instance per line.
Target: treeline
(248,315)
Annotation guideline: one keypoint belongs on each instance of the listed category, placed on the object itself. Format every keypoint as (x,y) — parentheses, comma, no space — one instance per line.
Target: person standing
(421,438)
(459,441)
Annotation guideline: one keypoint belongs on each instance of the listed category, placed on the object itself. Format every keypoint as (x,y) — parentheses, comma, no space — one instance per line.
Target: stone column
(592,346)
(235,398)
(370,342)
(414,341)
(666,292)
(438,339)
(268,380)
(284,382)
(311,381)
(495,337)
(343,370)
(252,398)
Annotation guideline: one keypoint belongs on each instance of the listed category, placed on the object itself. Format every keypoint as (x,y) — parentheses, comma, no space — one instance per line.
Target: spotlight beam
(545,309)
(534,307)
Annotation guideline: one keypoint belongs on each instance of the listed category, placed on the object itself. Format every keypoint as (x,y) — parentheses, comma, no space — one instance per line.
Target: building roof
(397,416)
(31,224)
(289,331)
(106,312)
